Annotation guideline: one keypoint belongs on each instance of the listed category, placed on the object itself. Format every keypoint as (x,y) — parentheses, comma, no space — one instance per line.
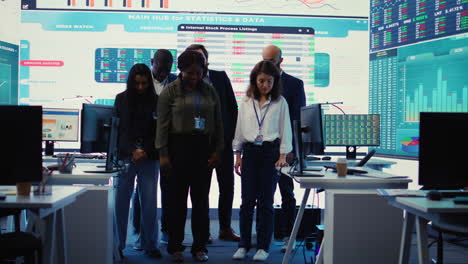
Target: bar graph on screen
(294,7)
(434,83)
(97,4)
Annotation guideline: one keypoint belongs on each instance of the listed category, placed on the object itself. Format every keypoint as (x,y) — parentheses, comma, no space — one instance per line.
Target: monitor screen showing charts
(352,130)
(60,124)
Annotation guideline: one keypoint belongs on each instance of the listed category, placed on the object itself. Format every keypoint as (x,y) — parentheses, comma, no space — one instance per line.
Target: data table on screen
(236,49)
(113,64)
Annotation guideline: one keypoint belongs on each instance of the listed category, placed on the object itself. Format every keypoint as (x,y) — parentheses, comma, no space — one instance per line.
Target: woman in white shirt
(263,139)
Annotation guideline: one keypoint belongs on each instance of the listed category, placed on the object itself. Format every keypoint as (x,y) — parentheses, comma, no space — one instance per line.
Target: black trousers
(288,204)
(189,159)
(225,177)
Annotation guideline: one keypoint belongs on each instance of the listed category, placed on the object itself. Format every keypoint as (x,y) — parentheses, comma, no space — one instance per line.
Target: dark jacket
(228,103)
(293,92)
(130,138)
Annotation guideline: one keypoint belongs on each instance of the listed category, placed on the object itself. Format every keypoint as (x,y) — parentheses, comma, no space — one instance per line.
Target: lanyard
(197,102)
(164,83)
(260,122)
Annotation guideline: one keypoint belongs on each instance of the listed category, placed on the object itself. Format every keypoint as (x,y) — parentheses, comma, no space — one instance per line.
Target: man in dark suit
(161,65)
(293,92)
(225,170)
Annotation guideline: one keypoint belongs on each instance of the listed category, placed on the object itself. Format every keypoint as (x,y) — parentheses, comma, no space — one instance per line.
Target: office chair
(16,244)
(449,229)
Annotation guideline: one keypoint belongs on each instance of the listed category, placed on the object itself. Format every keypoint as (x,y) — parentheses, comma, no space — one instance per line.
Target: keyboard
(306,174)
(83,156)
(453,193)
(351,170)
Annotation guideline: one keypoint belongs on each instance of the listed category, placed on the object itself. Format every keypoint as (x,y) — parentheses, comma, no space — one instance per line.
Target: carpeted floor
(222,251)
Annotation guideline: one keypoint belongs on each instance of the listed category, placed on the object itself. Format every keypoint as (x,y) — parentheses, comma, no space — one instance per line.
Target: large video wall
(69,57)
(418,62)
(9,52)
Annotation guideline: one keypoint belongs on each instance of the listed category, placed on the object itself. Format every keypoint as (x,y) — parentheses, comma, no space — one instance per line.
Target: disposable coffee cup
(23,188)
(342,167)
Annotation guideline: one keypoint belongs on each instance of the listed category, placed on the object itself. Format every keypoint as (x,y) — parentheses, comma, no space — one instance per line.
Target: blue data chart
(395,23)
(113,64)
(8,73)
(426,77)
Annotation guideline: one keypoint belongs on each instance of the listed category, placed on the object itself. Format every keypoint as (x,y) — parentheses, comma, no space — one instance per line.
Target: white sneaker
(284,247)
(240,254)
(261,255)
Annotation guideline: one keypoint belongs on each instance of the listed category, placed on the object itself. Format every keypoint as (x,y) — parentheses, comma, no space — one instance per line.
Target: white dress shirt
(275,125)
(159,86)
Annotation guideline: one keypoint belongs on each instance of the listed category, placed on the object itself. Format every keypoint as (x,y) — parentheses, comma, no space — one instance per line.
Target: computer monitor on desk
(308,137)
(352,131)
(99,129)
(21,142)
(313,141)
(59,124)
(442,135)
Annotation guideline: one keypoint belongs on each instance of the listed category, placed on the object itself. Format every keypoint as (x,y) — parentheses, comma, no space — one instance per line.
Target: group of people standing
(185,127)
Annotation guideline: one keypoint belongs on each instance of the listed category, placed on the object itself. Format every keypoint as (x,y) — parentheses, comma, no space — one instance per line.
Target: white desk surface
(61,195)
(79,176)
(333,160)
(330,180)
(425,205)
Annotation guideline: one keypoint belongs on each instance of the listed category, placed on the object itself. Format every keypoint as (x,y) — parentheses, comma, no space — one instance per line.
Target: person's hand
(165,162)
(139,155)
(238,164)
(281,161)
(290,157)
(213,160)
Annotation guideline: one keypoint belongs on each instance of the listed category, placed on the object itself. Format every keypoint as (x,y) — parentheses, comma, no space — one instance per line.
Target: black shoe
(201,256)
(137,247)
(121,255)
(228,235)
(154,253)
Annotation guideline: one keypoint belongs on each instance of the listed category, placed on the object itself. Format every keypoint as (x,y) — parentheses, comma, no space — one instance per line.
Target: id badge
(199,123)
(258,140)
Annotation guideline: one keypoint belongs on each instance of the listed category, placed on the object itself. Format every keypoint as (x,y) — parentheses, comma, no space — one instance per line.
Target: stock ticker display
(400,22)
(418,62)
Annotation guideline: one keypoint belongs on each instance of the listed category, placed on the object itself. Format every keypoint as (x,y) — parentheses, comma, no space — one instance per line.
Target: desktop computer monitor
(352,131)
(298,152)
(99,130)
(59,124)
(20,138)
(442,135)
(312,131)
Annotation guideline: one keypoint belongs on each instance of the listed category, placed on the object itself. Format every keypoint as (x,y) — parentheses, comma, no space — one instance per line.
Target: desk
(343,195)
(49,208)
(92,212)
(375,164)
(420,211)
(79,176)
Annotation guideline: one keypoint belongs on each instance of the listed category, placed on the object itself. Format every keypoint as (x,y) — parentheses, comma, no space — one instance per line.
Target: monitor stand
(49,147)
(351,152)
